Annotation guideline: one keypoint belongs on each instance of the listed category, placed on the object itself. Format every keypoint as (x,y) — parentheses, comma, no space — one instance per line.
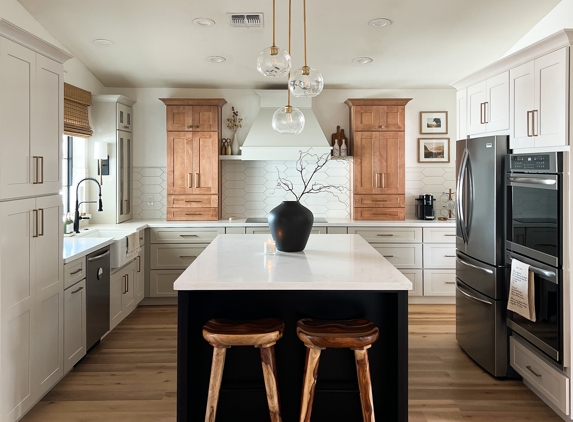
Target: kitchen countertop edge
(89,245)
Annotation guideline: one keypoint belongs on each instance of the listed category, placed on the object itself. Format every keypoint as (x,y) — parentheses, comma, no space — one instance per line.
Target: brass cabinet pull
(41,221)
(449,256)
(42,172)
(192,213)
(379,200)
(450,235)
(188,235)
(127,283)
(35,222)
(383,180)
(450,282)
(196,200)
(79,290)
(533,372)
(534,114)
(385,235)
(189,180)
(481,119)
(186,256)
(36,172)
(77,271)
(485,112)
(388,256)
(529,120)
(196,180)
(375,180)
(124,284)
(138,263)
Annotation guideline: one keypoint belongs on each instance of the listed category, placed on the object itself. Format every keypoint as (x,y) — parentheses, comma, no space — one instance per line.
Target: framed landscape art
(434,122)
(433,150)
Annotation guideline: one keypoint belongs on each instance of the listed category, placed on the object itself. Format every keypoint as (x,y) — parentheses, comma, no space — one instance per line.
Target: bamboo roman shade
(76,103)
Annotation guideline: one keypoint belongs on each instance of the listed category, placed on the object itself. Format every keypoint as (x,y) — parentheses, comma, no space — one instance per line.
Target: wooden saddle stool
(355,334)
(262,334)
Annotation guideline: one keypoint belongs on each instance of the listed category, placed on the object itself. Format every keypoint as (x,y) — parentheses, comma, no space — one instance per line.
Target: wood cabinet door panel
(521,104)
(551,99)
(179,118)
(391,118)
(205,118)
(390,163)
(366,117)
(179,162)
(364,143)
(205,163)
(17,84)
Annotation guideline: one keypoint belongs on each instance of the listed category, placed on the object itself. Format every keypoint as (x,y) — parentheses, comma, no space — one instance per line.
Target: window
(74,169)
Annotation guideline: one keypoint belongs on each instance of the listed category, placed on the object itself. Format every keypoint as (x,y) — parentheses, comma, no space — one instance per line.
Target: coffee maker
(425,207)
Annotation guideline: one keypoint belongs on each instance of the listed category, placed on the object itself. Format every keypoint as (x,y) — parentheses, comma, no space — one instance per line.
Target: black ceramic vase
(290,224)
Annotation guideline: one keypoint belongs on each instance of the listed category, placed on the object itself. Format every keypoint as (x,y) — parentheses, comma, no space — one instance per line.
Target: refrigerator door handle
(473,297)
(487,270)
(459,196)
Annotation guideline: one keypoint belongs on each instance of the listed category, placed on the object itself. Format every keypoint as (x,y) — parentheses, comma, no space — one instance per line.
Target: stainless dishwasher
(97,296)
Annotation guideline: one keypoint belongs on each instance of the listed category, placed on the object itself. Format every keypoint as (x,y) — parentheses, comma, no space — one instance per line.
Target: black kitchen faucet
(77,217)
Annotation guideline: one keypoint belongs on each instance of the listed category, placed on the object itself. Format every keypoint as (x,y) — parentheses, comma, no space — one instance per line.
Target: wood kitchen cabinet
(193,169)
(378,146)
(538,101)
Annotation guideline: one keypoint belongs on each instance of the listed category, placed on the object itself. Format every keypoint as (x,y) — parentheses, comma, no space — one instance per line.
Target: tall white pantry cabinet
(31,265)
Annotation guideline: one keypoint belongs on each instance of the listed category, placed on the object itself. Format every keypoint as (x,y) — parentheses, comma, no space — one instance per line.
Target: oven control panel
(534,163)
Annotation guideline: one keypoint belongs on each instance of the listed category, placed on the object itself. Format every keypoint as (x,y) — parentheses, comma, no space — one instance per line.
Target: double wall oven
(534,236)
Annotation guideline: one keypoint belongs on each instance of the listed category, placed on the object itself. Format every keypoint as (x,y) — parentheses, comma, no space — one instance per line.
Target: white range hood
(263,143)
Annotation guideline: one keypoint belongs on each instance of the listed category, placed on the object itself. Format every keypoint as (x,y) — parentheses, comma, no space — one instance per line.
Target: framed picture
(433,150)
(435,122)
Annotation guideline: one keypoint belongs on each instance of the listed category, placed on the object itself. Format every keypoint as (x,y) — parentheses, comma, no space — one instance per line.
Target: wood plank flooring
(131,377)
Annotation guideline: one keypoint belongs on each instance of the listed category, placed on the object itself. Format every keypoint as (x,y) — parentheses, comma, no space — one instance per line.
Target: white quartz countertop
(77,247)
(333,262)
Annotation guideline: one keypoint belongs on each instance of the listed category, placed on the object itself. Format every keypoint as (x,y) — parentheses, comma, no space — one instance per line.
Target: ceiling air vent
(246,20)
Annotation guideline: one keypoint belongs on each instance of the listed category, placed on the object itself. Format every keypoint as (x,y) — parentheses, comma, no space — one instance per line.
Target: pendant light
(274,61)
(306,81)
(288,120)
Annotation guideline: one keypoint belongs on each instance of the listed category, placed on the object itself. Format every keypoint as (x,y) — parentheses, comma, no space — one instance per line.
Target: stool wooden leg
(215,382)
(309,383)
(271,385)
(364,384)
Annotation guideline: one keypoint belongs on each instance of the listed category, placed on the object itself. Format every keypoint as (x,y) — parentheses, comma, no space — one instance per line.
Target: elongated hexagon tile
(152,189)
(151,214)
(234,201)
(234,184)
(250,164)
(255,188)
(255,197)
(255,171)
(151,171)
(231,210)
(434,180)
(254,205)
(234,176)
(229,193)
(433,171)
(151,180)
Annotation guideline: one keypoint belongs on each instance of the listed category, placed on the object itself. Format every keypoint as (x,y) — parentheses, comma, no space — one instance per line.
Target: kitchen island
(336,277)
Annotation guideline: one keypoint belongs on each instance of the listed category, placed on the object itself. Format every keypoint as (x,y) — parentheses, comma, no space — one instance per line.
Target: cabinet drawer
(548,381)
(161,282)
(195,214)
(388,234)
(173,256)
(337,230)
(185,235)
(402,256)
(74,271)
(439,282)
(266,230)
(193,201)
(379,201)
(415,276)
(439,256)
(384,214)
(440,235)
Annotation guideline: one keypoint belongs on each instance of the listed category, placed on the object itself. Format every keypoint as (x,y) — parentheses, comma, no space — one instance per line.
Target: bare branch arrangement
(306,159)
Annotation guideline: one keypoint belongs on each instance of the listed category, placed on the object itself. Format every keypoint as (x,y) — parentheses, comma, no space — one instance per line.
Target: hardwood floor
(131,377)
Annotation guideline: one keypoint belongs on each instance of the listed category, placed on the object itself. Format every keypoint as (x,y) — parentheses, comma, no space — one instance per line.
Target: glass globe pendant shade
(306,82)
(274,61)
(288,120)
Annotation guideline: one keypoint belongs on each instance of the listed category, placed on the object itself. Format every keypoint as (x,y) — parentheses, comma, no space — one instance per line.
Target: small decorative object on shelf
(234,123)
(226,146)
(343,144)
(334,142)
(270,247)
(291,222)
(449,205)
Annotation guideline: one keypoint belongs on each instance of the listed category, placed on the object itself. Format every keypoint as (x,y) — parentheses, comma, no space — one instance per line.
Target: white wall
(559,18)
(76,73)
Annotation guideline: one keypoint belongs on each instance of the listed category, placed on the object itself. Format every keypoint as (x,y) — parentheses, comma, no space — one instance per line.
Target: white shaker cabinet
(31,306)
(462,107)
(122,293)
(488,105)
(74,324)
(31,118)
(539,101)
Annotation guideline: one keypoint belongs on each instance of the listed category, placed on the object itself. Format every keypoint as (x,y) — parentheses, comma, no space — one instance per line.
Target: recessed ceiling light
(102,41)
(203,22)
(217,59)
(380,22)
(362,60)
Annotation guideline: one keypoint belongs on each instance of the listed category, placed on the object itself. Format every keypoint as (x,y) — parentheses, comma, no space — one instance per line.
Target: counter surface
(333,262)
(77,247)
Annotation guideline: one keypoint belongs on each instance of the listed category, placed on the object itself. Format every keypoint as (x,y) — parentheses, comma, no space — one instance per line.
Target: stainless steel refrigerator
(481,270)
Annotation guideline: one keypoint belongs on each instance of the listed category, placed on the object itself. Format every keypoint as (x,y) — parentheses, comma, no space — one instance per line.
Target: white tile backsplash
(249,188)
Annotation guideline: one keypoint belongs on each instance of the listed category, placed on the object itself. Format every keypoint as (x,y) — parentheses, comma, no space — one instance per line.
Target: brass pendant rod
(289,46)
(274,23)
(304,15)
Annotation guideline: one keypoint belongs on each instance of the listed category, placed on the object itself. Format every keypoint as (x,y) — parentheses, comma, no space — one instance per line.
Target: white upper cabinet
(488,105)
(462,107)
(539,101)
(124,118)
(31,115)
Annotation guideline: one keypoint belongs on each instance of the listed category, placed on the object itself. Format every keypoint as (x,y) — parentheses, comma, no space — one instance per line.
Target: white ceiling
(431,43)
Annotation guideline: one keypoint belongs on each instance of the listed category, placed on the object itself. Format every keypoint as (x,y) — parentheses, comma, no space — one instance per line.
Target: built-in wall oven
(534,236)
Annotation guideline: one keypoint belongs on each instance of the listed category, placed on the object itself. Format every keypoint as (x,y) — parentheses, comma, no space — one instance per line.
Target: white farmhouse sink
(118,249)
